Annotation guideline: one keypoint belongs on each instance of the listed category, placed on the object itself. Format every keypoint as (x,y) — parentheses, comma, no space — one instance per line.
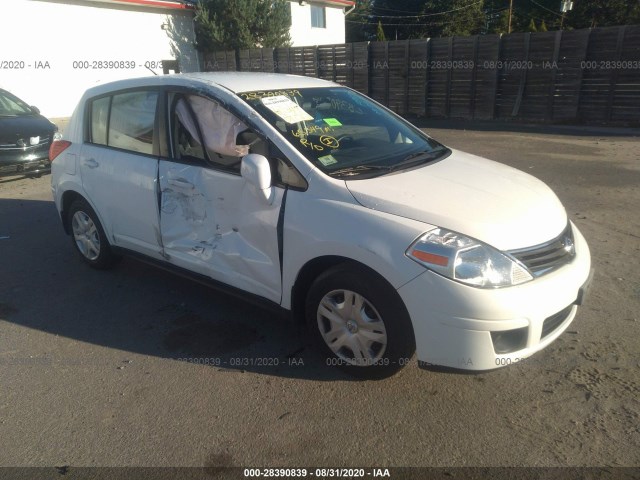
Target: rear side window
(125,121)
(99,116)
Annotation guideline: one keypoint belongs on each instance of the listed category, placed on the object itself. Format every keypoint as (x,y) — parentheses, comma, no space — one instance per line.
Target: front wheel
(359,322)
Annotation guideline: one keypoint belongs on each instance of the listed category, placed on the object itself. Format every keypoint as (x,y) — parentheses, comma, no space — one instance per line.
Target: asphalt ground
(91,371)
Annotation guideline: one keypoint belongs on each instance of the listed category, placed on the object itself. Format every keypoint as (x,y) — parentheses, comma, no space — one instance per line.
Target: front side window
(318,17)
(203,130)
(124,120)
(186,134)
(344,133)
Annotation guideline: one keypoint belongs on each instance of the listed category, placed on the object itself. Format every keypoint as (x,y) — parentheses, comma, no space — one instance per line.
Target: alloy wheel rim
(352,327)
(86,235)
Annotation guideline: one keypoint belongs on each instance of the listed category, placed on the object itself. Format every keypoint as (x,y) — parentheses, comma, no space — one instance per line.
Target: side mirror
(35,109)
(255,169)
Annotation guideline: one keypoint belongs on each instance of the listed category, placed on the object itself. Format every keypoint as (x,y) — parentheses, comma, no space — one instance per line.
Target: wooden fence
(587,76)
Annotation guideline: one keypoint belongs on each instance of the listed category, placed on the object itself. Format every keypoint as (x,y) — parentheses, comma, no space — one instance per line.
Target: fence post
(426,78)
(496,82)
(369,69)
(353,68)
(316,60)
(581,74)
(237,55)
(406,77)
(552,85)
(333,62)
(472,98)
(613,79)
(523,76)
(386,74)
(448,87)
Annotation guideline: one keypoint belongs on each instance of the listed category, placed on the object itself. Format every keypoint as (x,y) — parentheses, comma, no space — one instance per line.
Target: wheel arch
(68,198)
(312,270)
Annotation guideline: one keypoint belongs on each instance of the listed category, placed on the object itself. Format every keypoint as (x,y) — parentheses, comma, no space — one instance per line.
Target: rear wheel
(88,236)
(359,322)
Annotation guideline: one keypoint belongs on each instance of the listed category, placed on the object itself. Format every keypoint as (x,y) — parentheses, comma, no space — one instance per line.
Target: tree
(497,11)
(603,13)
(447,18)
(240,24)
(380,33)
(497,21)
(400,19)
(543,27)
(532,26)
(358,23)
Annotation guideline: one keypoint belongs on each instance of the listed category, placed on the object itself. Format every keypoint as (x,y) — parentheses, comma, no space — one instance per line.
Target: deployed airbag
(219,127)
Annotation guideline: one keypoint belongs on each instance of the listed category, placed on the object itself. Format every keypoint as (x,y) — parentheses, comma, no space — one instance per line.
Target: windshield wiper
(412,159)
(417,158)
(358,170)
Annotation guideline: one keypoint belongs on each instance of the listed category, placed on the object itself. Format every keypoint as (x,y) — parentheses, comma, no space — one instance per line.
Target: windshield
(343,132)
(10,105)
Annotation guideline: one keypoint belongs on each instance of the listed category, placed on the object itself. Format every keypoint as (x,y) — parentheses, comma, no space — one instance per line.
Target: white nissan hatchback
(313,198)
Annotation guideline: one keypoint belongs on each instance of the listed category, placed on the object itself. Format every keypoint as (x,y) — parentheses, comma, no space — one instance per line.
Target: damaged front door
(211,221)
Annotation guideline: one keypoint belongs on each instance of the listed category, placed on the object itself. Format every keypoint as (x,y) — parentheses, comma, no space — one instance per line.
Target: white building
(318,22)
(53,50)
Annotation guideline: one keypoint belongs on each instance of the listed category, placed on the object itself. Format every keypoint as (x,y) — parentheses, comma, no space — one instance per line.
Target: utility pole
(510,13)
(565,6)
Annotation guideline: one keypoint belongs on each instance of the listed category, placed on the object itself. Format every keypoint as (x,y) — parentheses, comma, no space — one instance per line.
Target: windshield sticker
(286,109)
(275,93)
(327,160)
(332,122)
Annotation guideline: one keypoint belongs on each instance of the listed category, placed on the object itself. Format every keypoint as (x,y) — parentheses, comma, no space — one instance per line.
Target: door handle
(181,183)
(91,163)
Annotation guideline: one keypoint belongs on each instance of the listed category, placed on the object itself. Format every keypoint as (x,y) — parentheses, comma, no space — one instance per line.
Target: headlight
(466,260)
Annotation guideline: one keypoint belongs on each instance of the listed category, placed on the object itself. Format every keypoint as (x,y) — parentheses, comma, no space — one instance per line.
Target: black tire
(380,303)
(102,257)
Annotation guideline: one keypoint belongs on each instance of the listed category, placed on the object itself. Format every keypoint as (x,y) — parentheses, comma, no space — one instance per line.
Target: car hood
(486,200)
(23,126)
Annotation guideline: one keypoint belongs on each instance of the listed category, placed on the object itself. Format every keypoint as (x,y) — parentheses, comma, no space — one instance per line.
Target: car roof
(233,81)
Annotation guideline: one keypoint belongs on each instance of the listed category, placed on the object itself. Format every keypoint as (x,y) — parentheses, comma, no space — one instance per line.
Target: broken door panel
(213,223)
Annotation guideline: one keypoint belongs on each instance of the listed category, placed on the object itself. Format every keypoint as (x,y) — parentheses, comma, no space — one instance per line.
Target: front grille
(554,321)
(549,256)
(8,168)
(44,140)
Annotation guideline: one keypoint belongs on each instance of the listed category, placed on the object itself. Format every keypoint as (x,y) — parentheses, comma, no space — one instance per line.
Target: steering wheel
(347,138)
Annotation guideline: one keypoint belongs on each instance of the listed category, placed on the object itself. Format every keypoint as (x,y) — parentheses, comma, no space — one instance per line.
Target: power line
(404,24)
(425,14)
(393,10)
(548,9)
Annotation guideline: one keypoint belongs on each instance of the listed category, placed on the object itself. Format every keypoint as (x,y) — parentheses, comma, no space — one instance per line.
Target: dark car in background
(25,138)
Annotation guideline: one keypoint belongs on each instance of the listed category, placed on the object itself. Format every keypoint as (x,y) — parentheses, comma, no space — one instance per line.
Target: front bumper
(469,328)
(25,164)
